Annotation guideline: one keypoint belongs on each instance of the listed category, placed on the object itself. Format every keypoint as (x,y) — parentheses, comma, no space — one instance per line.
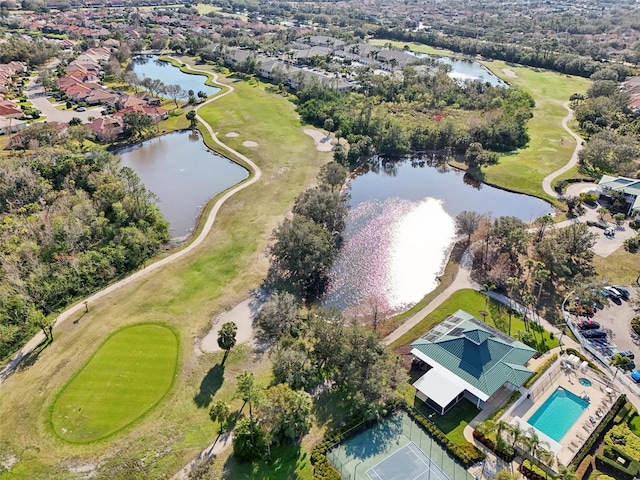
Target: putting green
(129,374)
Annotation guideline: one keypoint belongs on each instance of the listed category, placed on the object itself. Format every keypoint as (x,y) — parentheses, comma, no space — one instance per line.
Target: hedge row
(533,472)
(322,468)
(583,467)
(491,445)
(604,425)
(467,455)
(498,413)
(543,368)
(622,414)
(621,472)
(613,452)
(583,358)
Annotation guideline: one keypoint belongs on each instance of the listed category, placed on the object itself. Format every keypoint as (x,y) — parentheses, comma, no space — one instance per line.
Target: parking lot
(615,316)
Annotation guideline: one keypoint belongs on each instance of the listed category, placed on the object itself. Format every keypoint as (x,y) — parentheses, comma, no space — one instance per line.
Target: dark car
(624,353)
(588,325)
(623,291)
(593,333)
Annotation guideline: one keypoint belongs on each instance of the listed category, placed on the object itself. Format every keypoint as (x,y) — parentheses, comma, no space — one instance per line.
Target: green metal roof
(477,353)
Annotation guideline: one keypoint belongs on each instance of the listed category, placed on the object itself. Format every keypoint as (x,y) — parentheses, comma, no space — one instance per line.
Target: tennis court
(396,448)
(408,463)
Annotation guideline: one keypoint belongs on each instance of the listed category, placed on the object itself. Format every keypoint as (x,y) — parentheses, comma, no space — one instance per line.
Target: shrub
(467,455)
(589,198)
(635,324)
(622,472)
(605,424)
(635,225)
(543,368)
(507,456)
(533,472)
(632,244)
(591,365)
(583,467)
(498,413)
(624,439)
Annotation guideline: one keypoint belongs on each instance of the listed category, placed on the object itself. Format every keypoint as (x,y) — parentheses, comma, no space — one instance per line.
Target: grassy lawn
(186,295)
(473,302)
(621,267)
(550,146)
(127,376)
(454,421)
(634,424)
(416,47)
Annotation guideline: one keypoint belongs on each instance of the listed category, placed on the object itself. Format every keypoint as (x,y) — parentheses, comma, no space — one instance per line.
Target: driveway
(35,94)
(616,316)
(604,246)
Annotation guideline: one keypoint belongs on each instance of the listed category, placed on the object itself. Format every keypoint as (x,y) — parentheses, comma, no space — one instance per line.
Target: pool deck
(601,397)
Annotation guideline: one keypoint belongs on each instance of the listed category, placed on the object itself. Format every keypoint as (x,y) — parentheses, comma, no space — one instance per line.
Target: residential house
(8,109)
(467,358)
(629,186)
(107,128)
(157,114)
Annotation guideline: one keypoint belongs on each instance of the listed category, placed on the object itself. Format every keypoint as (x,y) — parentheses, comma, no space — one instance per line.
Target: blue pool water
(558,413)
(584,382)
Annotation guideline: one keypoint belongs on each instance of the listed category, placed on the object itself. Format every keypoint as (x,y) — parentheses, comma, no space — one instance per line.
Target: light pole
(355,470)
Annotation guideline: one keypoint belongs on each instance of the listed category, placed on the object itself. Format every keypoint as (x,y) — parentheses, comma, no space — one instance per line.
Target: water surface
(183,173)
(150,67)
(400,229)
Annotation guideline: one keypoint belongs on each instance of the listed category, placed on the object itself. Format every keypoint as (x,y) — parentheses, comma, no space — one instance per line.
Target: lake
(150,67)
(400,229)
(462,69)
(183,173)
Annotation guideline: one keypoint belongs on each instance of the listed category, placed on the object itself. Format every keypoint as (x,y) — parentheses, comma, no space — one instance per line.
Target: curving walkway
(79,306)
(573,161)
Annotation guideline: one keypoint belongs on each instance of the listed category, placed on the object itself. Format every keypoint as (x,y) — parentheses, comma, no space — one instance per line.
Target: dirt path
(77,308)
(573,161)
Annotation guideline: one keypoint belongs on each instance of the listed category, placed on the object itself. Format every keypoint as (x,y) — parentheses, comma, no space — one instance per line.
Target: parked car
(623,291)
(624,353)
(609,232)
(595,333)
(588,325)
(604,293)
(81,109)
(613,293)
(635,376)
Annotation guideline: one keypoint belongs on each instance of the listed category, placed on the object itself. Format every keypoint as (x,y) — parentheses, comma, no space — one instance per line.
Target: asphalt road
(35,94)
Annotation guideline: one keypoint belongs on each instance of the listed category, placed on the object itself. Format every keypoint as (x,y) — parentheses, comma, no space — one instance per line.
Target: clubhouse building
(466,358)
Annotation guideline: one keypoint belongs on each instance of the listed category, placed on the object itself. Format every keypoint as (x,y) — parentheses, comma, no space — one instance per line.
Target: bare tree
(175,92)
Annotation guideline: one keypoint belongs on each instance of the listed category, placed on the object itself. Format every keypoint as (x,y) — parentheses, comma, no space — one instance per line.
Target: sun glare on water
(392,254)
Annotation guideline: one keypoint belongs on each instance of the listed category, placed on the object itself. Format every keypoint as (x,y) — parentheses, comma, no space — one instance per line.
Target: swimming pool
(558,413)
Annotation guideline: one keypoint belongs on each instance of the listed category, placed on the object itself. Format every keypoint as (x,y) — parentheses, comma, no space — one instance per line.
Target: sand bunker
(509,73)
(323,143)
(242,315)
(249,143)
(233,134)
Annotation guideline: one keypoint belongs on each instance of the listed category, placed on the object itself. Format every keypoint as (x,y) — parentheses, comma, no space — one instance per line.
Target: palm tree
(618,361)
(547,458)
(516,434)
(486,288)
(567,473)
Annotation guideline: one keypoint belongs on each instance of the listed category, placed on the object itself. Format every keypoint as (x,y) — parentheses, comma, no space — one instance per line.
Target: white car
(609,232)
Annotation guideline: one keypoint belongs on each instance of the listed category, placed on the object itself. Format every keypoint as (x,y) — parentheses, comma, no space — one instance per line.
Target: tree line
(69,224)
(610,126)
(314,350)
(563,62)
(391,116)
(528,262)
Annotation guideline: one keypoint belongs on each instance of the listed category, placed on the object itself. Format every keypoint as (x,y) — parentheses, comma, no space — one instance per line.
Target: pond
(151,67)
(400,229)
(462,69)
(183,173)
